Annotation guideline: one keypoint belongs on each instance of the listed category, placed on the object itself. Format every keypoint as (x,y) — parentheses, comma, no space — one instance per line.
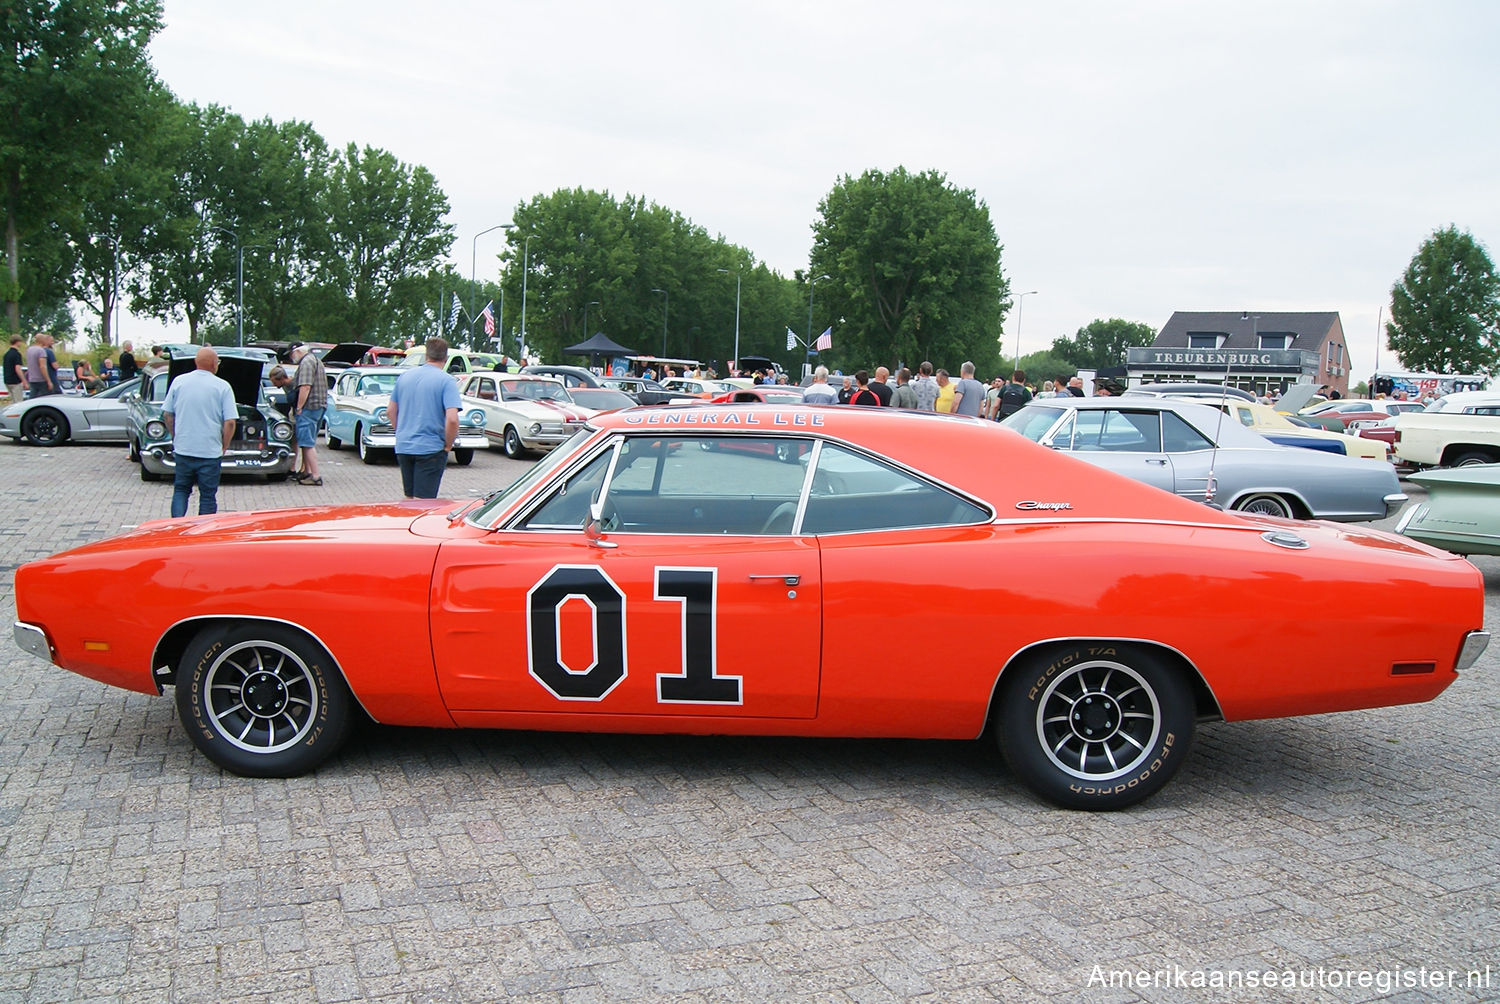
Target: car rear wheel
(514,448)
(1472,459)
(45,427)
(1265,504)
(262,700)
(1098,725)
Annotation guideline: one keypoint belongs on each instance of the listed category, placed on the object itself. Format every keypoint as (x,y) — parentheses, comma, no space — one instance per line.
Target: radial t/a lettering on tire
(262,700)
(1095,725)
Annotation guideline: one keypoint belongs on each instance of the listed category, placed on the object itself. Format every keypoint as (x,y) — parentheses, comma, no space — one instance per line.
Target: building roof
(1310,328)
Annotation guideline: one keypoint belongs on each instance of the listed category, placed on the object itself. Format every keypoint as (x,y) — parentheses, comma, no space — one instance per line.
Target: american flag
(489,319)
(825,340)
(453,314)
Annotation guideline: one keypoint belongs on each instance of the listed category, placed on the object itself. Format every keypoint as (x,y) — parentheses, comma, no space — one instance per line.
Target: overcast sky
(1137,158)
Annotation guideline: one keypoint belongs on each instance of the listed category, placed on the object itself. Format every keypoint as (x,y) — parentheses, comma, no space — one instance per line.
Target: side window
(568,506)
(456,364)
(706,484)
(1118,431)
(1179,437)
(851,491)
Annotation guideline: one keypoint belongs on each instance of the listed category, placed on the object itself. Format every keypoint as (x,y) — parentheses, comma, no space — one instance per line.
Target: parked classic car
(1461,512)
(523,413)
(1199,453)
(262,440)
(644,391)
(762,393)
(1457,430)
(56,418)
(1279,429)
(460,361)
(626,583)
(356,414)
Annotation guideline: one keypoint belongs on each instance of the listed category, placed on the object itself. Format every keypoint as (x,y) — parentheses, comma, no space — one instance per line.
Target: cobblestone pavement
(425,865)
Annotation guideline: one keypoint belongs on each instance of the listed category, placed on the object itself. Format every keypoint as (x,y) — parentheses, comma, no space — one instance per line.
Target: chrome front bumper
(32,639)
(1474,645)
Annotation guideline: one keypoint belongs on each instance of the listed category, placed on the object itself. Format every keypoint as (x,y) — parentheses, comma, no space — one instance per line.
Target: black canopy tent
(600,345)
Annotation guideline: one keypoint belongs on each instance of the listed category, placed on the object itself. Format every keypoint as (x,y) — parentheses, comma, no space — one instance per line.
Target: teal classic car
(1462,510)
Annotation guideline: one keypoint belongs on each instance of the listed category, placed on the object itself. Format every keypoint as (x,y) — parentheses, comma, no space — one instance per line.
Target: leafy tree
(71,72)
(1445,311)
(1101,343)
(914,270)
(385,226)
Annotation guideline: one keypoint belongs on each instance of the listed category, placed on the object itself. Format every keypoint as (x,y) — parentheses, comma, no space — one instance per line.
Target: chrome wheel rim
(260,697)
(1098,721)
(1266,505)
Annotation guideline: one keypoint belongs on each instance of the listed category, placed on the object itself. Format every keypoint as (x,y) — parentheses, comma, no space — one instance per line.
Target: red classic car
(628,583)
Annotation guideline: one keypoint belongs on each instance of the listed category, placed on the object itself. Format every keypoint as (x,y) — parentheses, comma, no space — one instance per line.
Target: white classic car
(357,414)
(522,412)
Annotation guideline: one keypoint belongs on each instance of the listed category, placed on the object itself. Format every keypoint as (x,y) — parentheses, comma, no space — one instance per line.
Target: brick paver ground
(425,865)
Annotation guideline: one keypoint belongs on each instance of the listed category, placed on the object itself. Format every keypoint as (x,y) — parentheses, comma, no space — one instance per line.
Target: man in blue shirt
(201,416)
(424,412)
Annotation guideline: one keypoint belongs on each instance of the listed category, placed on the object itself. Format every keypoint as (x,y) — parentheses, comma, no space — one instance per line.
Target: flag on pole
(791,340)
(453,314)
(825,340)
(489,319)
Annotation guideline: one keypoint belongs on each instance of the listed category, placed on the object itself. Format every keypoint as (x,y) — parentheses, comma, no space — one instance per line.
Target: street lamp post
(239,293)
(1020,303)
(807,346)
(525,274)
(666,301)
(736,365)
(586,306)
(473,269)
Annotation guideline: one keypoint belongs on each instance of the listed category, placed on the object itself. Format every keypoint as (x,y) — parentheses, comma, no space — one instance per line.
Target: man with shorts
(424,412)
(310,386)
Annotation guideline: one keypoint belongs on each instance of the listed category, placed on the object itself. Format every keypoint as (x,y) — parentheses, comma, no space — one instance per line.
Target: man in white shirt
(201,416)
(819,392)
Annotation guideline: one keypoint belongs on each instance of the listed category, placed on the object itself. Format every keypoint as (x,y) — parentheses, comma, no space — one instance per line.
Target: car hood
(346,353)
(310,521)
(243,375)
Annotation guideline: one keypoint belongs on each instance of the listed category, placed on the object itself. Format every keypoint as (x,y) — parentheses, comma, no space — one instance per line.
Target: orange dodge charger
(630,580)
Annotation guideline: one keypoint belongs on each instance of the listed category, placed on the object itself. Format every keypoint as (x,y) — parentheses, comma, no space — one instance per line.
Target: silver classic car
(56,418)
(357,414)
(1199,453)
(262,439)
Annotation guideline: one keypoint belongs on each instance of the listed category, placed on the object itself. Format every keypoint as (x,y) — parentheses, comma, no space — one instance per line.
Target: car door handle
(790,580)
(1157,461)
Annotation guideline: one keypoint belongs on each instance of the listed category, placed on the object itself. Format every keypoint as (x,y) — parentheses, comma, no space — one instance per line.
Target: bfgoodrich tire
(1097,725)
(262,700)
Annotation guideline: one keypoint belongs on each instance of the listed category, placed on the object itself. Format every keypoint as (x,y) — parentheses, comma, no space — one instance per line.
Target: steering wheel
(781,519)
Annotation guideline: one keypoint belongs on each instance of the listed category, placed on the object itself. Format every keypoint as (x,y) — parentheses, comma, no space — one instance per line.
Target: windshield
(382,383)
(534,390)
(1033,421)
(491,509)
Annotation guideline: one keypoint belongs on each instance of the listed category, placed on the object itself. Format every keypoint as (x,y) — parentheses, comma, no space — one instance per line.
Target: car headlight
(475,417)
(380,415)
(156,429)
(534,428)
(281,431)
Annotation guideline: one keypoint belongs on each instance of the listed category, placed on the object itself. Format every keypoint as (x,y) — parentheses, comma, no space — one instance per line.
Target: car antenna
(1213,458)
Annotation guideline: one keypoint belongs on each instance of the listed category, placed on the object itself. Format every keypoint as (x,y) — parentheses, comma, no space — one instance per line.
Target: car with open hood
(263,438)
(635,578)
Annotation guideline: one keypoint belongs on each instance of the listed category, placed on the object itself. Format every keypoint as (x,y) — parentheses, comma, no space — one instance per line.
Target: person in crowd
(84,376)
(903,396)
(282,380)
(1014,396)
(925,388)
(424,412)
(847,390)
(946,392)
(863,395)
(991,408)
(819,392)
(310,385)
(109,372)
(40,377)
(881,386)
(15,369)
(201,416)
(128,366)
(968,393)
(1075,386)
(158,360)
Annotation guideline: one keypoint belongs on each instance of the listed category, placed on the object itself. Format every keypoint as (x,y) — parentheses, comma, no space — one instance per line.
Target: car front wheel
(45,427)
(1094,725)
(514,448)
(1265,504)
(463,456)
(262,700)
(367,453)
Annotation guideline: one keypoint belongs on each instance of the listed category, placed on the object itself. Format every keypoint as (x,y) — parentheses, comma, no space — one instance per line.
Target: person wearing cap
(310,388)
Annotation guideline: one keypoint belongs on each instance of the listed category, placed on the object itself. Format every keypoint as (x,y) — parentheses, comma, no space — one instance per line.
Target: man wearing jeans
(201,416)
(424,412)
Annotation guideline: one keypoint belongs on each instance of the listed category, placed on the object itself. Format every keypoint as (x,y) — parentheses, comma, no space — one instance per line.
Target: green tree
(1101,343)
(1445,311)
(71,72)
(914,269)
(386,225)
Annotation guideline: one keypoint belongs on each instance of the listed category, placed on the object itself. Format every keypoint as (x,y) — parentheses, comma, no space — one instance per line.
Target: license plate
(247,463)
